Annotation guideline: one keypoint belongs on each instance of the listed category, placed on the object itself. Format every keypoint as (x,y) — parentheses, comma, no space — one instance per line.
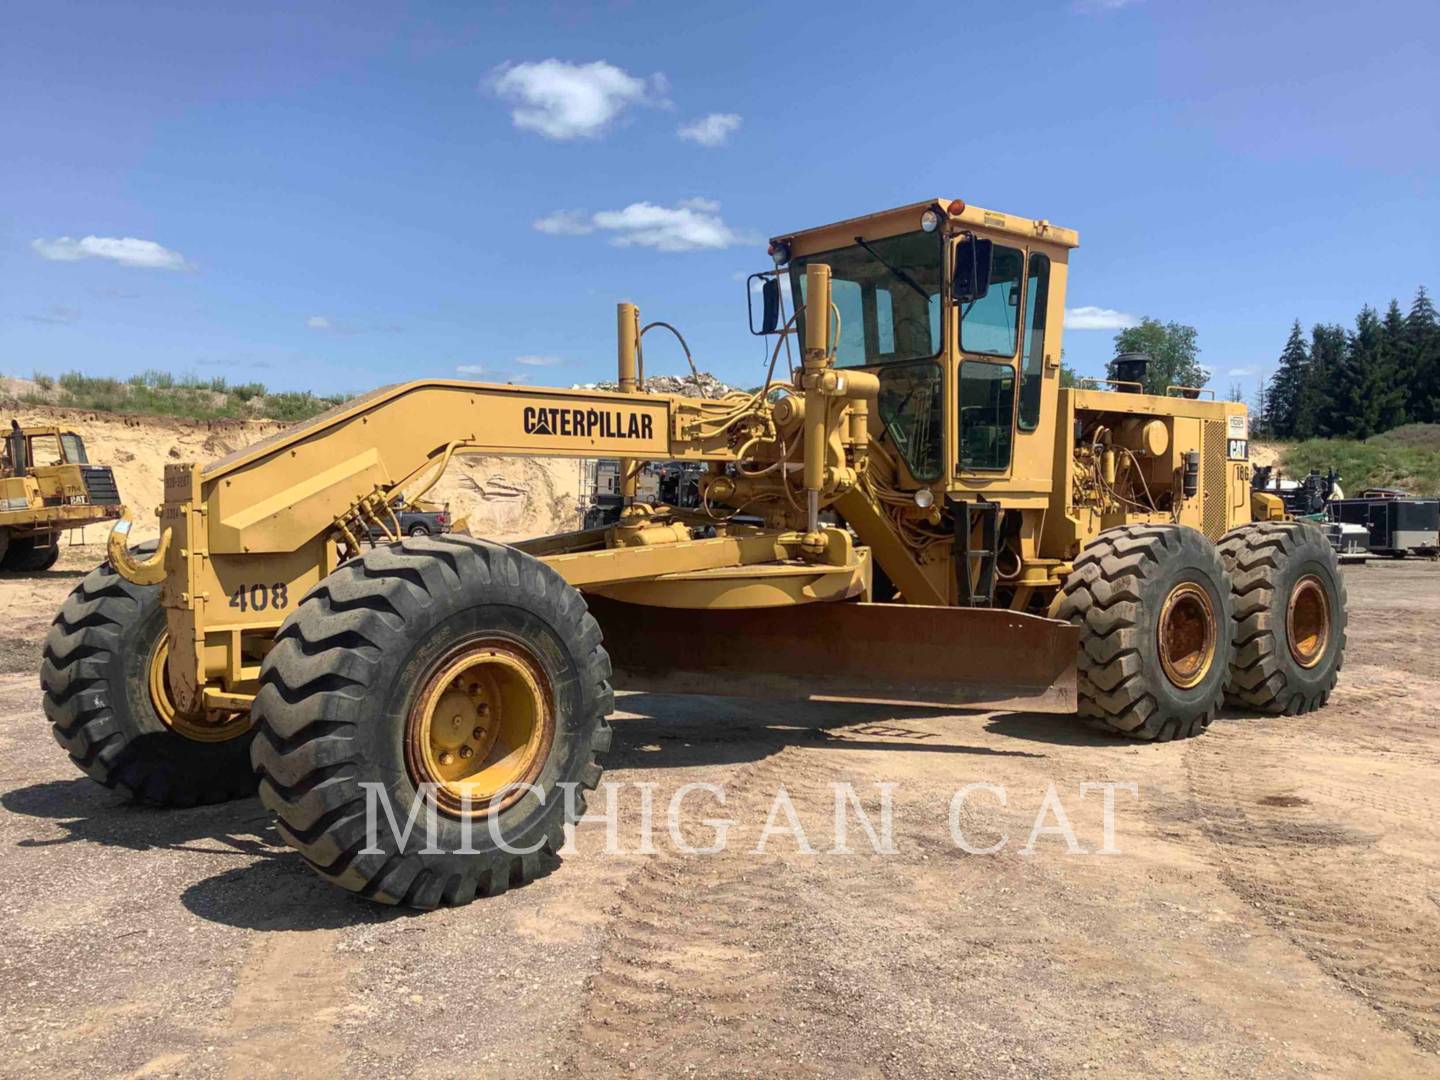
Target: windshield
(888,295)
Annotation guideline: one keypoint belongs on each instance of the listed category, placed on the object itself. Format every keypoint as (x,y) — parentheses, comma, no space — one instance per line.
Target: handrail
(1190,391)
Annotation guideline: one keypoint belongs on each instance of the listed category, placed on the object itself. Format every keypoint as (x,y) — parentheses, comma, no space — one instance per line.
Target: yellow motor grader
(911,510)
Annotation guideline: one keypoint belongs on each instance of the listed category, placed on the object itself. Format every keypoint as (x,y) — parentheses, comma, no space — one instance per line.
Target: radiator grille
(100,484)
(1212,479)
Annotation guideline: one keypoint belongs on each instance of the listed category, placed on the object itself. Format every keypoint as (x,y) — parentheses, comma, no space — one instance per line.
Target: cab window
(45,450)
(1032,371)
(987,410)
(74,449)
(909,407)
(887,293)
(989,325)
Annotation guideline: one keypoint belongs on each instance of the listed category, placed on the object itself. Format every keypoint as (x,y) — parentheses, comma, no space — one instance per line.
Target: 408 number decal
(261,597)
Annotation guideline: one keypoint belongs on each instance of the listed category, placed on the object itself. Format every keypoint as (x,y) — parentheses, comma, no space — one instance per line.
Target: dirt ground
(1273,908)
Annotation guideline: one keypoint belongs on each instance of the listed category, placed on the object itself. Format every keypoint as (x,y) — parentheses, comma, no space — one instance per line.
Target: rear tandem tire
(1289,617)
(95,676)
(354,666)
(1153,606)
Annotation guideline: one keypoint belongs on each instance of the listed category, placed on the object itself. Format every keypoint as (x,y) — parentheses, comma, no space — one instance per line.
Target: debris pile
(708,385)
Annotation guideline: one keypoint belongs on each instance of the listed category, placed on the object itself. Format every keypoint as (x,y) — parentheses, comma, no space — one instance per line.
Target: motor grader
(911,510)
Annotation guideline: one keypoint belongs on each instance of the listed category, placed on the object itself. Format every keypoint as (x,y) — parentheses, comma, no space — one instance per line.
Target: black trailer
(1399,524)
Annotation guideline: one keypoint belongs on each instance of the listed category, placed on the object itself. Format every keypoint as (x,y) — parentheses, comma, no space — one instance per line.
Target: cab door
(986,376)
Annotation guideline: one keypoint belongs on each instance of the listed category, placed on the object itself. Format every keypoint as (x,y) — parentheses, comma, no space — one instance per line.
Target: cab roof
(907,218)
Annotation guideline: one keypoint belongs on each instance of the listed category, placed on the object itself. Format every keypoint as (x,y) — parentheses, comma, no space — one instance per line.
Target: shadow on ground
(658,731)
(272,889)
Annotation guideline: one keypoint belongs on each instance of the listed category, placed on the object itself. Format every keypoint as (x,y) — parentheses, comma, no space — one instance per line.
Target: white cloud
(565,223)
(125,250)
(1098,318)
(56,315)
(470,369)
(689,225)
(712,130)
(572,101)
(539,361)
(1241,372)
(327,325)
(1100,7)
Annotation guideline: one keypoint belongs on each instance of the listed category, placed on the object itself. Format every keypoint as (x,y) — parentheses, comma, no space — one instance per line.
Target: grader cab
(911,510)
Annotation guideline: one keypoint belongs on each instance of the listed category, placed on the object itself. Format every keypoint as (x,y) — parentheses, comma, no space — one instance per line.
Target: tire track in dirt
(704,966)
(288,995)
(1355,910)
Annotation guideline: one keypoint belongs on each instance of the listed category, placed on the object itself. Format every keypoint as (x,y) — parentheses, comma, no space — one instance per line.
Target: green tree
(1328,349)
(1290,389)
(1260,427)
(1362,390)
(1172,350)
(1422,335)
(1395,369)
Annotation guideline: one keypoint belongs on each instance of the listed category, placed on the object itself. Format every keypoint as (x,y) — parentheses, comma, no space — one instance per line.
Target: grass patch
(159,393)
(1407,458)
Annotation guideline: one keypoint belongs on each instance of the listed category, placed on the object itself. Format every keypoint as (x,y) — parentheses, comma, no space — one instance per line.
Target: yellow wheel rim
(212,727)
(1187,634)
(481,724)
(1307,621)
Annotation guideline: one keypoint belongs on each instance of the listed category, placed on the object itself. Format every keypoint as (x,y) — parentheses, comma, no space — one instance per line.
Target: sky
(336,196)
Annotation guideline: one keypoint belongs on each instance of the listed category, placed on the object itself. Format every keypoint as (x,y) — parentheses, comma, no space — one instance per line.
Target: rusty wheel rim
(1186,635)
(209,727)
(481,726)
(1307,621)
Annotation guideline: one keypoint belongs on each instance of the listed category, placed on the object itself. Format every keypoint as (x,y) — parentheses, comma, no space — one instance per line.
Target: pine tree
(1394,370)
(1422,334)
(1260,426)
(1360,390)
(1328,349)
(1289,386)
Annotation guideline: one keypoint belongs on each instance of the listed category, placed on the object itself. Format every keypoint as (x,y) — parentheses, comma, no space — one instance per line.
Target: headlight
(924,498)
(929,221)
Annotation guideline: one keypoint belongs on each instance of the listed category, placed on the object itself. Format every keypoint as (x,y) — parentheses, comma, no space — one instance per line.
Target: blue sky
(332,197)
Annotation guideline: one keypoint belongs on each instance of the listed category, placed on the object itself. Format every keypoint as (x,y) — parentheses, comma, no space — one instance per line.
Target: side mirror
(769,303)
(972,270)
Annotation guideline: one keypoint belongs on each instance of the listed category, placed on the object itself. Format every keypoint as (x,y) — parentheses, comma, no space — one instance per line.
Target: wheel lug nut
(446,758)
(466,752)
(478,734)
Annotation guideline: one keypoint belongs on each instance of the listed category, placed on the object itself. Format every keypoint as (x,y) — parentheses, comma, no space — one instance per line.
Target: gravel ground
(1273,907)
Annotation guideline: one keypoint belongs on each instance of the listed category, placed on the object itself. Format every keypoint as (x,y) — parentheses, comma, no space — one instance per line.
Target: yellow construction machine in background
(48,486)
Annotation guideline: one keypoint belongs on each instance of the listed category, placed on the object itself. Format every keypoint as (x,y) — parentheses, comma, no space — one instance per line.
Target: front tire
(25,556)
(388,672)
(1153,606)
(1289,617)
(100,686)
